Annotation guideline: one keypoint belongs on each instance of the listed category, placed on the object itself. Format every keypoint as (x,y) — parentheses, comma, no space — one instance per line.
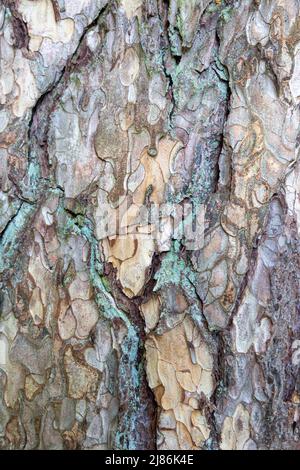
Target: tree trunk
(149,221)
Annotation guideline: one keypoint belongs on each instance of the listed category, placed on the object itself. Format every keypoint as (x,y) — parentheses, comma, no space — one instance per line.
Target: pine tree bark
(117,332)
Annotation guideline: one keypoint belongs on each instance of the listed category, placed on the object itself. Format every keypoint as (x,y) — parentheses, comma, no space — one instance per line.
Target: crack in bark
(19,26)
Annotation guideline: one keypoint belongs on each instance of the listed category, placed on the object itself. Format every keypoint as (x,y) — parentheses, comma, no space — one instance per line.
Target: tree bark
(149,244)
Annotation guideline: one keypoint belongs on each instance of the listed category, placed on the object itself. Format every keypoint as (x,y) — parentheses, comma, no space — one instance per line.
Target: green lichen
(225,11)
(226,14)
(175,270)
(76,80)
(222,71)
(10,239)
(129,368)
(213,8)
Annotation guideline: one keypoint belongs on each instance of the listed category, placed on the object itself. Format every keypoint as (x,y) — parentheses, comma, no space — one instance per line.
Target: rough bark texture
(131,341)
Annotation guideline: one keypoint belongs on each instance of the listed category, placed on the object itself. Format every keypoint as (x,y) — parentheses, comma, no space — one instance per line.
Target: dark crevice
(171,96)
(226,111)
(167,50)
(222,376)
(9,222)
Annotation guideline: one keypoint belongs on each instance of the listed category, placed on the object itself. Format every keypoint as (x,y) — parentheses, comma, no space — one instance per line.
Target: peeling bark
(122,325)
